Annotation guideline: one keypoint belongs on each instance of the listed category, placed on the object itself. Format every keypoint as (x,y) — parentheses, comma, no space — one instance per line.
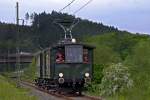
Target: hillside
(120,45)
(132,52)
(43,32)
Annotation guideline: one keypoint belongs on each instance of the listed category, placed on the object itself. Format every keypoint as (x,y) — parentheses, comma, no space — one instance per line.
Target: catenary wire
(67,6)
(82,7)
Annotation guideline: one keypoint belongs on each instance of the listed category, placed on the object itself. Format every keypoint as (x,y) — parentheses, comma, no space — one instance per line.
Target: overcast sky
(130,15)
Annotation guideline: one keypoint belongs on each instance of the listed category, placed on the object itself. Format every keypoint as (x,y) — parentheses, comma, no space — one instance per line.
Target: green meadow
(9,91)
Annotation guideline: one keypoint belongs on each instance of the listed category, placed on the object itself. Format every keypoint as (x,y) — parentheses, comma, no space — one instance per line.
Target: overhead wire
(77,9)
(74,23)
(82,7)
(67,6)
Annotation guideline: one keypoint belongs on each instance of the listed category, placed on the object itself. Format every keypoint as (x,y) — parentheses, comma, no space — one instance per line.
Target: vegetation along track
(58,95)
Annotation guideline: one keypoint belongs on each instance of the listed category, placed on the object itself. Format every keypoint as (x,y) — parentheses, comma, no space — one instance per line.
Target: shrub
(116,79)
(97,74)
(30,72)
(94,87)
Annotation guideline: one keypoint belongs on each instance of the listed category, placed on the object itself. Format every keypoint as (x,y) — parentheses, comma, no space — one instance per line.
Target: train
(67,64)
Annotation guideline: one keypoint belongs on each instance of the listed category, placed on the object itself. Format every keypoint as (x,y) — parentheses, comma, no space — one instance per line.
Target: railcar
(65,65)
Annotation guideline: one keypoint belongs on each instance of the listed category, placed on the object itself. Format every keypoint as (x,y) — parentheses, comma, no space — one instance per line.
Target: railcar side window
(74,54)
(85,56)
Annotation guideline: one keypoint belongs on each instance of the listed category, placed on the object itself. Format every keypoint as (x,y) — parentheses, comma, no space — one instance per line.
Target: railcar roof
(85,45)
(62,45)
(37,53)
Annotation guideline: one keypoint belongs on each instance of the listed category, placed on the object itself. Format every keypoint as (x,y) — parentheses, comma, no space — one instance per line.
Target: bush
(116,79)
(30,72)
(97,74)
(94,87)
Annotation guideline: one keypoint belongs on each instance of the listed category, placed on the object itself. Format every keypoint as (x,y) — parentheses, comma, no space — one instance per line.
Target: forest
(43,32)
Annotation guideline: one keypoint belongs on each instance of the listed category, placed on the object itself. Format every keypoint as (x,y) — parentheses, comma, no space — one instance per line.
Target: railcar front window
(74,54)
(60,56)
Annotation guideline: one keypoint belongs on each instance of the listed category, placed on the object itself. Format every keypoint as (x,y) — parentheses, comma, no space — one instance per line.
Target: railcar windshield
(60,56)
(74,54)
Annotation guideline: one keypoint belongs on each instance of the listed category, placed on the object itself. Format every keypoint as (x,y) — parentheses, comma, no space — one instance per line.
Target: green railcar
(65,65)
(68,64)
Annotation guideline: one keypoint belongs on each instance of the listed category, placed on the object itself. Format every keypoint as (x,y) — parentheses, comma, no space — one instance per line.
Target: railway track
(58,95)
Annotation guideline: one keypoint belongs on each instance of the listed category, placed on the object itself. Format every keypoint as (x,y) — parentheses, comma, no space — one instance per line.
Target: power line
(82,6)
(67,6)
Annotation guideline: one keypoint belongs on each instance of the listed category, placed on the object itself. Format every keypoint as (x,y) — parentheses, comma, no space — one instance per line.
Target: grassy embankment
(9,91)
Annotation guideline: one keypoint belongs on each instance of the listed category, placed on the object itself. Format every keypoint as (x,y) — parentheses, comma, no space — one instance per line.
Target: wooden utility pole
(17,44)
(17,13)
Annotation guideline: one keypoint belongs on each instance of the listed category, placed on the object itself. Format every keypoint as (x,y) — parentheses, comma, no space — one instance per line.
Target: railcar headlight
(87,74)
(73,40)
(61,74)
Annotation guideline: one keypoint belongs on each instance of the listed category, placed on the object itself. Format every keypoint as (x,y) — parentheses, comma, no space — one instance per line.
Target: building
(9,62)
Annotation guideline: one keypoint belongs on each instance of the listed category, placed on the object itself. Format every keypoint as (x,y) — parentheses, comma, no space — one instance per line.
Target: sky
(129,15)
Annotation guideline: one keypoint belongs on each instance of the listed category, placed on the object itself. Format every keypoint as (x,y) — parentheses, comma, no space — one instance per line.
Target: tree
(141,55)
(27,17)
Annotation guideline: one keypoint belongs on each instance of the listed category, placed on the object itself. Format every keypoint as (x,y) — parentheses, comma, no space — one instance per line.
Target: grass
(9,91)
(30,72)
